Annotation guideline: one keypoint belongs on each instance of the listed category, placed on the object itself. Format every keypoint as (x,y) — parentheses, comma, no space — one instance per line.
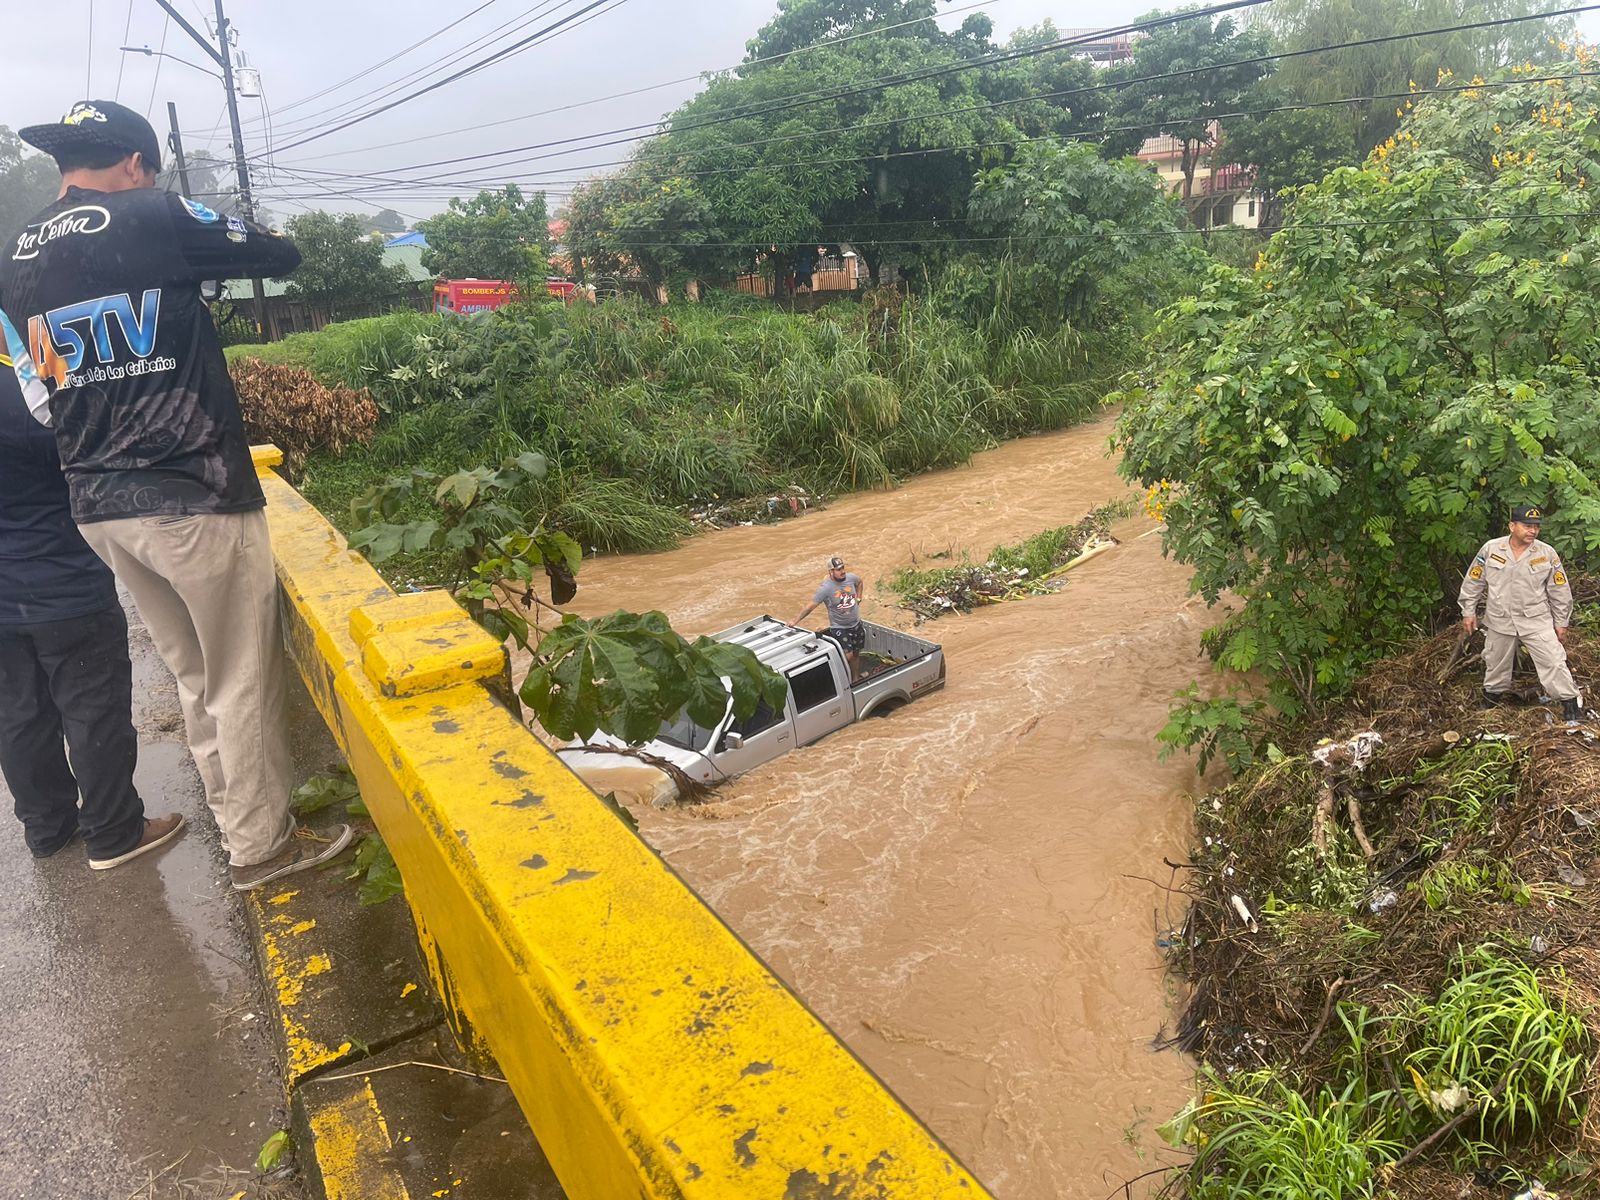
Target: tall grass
(659,408)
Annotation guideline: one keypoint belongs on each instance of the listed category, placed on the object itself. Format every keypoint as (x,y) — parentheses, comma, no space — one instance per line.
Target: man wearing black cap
(1529,603)
(102,290)
(842,591)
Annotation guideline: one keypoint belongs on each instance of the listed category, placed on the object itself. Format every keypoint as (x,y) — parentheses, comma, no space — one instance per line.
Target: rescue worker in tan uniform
(1529,603)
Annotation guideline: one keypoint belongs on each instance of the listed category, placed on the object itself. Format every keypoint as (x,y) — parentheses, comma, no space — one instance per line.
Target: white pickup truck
(898,668)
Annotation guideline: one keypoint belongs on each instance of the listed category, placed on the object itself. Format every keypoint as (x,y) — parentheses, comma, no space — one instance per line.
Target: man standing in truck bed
(103,286)
(842,591)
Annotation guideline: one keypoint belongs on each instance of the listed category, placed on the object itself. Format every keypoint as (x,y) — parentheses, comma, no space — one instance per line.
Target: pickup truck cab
(898,668)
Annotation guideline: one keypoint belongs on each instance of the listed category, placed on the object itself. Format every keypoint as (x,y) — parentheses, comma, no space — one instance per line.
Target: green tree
(1186,107)
(386,222)
(1076,219)
(883,161)
(1392,67)
(1286,149)
(341,267)
(1329,436)
(495,235)
(28,182)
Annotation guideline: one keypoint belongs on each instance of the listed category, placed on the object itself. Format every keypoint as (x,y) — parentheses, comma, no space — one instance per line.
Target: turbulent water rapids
(968,891)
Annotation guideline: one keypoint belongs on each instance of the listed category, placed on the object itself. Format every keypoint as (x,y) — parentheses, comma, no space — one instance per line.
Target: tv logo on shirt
(59,340)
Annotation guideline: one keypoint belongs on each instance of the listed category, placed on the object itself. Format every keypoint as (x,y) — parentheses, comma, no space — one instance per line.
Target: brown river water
(963,890)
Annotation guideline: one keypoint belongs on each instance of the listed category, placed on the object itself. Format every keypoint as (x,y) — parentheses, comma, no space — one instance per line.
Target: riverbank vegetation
(1330,435)
(1395,987)
(1394,983)
(644,412)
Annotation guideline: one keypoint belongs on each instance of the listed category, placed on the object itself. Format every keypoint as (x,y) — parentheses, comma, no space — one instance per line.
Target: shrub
(286,405)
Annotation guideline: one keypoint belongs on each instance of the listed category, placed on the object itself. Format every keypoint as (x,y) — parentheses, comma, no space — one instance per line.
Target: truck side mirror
(733,741)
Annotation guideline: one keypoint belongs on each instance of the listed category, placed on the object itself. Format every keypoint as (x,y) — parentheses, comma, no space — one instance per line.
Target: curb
(382,1106)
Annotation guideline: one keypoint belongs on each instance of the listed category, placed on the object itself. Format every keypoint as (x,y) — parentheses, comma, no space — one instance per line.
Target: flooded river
(956,889)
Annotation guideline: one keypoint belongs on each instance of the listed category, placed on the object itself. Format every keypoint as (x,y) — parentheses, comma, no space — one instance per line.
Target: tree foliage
(623,674)
(1076,218)
(1329,436)
(495,235)
(1392,66)
(28,182)
(882,159)
(341,267)
(1186,106)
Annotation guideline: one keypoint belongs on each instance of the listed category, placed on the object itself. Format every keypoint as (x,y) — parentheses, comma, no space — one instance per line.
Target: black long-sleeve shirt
(102,291)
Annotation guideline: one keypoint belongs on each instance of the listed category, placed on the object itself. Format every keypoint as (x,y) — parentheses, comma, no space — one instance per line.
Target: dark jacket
(47,572)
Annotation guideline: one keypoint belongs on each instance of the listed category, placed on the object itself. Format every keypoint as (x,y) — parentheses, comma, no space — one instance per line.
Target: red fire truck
(485,295)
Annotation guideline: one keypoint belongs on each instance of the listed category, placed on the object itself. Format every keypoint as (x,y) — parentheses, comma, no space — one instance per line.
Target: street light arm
(149,53)
(200,41)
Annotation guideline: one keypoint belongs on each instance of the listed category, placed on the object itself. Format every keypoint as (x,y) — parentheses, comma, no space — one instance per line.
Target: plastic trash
(1383,898)
(1245,915)
(1354,753)
(1570,875)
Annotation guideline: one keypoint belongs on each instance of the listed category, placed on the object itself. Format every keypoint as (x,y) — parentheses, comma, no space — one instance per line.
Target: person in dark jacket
(64,669)
(102,289)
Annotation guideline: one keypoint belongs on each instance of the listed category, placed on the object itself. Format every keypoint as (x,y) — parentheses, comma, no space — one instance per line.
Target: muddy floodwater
(962,890)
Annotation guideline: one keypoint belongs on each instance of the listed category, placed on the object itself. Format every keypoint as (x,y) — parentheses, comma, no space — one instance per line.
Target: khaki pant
(206,588)
(1549,658)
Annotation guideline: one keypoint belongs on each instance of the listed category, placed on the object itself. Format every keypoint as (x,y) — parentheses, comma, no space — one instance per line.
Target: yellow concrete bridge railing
(654,1055)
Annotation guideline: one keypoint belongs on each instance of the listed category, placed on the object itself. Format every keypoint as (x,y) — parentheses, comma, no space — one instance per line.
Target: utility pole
(176,140)
(222,55)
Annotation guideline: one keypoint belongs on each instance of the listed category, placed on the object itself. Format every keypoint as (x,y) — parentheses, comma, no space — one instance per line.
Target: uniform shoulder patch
(1477,571)
(1559,578)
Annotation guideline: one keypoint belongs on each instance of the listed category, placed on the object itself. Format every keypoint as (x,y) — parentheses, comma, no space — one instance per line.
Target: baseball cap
(98,123)
(836,563)
(1527,514)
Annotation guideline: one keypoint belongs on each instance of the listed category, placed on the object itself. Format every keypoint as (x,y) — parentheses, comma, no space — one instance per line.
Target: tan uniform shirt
(1525,596)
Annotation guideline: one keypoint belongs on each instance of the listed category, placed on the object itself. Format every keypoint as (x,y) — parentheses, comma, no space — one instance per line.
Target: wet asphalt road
(135,1061)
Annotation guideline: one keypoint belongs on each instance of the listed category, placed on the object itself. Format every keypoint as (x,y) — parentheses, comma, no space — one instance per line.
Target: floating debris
(717,513)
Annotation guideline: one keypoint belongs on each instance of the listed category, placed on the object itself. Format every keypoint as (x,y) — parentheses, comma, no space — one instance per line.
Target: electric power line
(334,87)
(654,87)
(88,63)
(821,95)
(122,59)
(342,108)
(468,181)
(997,104)
(490,60)
(166,24)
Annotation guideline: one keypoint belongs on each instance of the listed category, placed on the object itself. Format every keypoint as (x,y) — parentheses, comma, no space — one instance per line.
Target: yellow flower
(1497,128)
(1495,161)
(1564,258)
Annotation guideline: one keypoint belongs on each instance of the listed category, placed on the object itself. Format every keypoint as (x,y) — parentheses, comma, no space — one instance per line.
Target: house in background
(1224,192)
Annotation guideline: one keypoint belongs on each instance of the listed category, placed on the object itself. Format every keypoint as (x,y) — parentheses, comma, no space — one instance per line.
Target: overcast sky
(302,46)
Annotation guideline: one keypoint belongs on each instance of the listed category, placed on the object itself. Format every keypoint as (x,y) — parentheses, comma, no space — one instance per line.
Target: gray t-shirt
(843,598)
